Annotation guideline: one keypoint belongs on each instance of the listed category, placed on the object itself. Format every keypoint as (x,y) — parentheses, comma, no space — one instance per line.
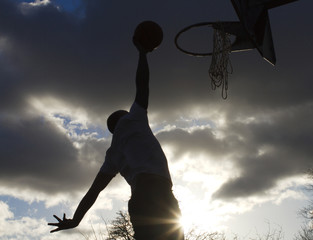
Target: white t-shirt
(134,148)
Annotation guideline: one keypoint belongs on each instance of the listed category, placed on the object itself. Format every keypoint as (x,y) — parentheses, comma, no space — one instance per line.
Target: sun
(195,217)
(198,215)
(199,210)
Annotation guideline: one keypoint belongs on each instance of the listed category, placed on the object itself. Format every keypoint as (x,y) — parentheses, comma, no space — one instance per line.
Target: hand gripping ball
(149,35)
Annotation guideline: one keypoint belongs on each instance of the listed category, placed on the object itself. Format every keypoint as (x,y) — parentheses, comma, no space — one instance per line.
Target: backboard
(253,15)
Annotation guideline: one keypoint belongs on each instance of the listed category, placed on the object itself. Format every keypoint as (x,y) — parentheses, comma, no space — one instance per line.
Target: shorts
(153,209)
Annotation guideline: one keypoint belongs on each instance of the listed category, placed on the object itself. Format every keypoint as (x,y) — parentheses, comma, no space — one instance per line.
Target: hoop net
(220,65)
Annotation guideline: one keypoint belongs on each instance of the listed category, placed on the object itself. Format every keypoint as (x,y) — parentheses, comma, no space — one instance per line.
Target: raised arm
(142,78)
(100,182)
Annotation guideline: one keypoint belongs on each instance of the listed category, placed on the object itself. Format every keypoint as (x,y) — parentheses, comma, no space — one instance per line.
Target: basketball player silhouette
(136,154)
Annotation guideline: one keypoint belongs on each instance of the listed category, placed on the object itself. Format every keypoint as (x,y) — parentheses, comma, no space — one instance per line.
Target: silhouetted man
(136,154)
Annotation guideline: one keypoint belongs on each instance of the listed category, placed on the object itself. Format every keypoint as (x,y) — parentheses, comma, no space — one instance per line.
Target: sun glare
(197,216)
(199,213)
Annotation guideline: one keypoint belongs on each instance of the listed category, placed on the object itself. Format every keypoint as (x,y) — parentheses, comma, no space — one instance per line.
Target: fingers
(57,218)
(62,224)
(55,230)
(56,224)
(53,224)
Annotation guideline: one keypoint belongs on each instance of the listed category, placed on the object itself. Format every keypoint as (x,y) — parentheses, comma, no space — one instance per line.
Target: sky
(237,164)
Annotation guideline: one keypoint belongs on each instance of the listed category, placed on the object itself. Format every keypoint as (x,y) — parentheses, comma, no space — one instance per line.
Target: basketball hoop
(220,64)
(252,31)
(178,35)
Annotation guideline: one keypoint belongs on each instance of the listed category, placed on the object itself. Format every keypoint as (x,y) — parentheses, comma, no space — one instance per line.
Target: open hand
(63,224)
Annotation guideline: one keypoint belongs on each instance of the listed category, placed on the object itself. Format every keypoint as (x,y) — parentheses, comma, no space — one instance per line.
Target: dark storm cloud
(263,151)
(31,152)
(90,63)
(35,154)
(287,140)
(54,53)
(197,142)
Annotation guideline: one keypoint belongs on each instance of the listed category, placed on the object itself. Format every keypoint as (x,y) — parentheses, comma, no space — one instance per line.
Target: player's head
(113,119)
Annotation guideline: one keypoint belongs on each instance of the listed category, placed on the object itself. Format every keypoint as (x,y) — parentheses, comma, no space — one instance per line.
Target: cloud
(88,64)
(262,149)
(78,60)
(280,148)
(29,228)
(26,228)
(197,142)
(49,149)
(32,151)
(62,74)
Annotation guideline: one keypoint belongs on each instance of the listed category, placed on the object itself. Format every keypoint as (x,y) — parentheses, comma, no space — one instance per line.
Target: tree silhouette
(120,228)
(195,235)
(306,232)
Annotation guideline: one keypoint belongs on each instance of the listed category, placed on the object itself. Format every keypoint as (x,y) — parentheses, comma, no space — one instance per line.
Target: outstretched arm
(100,182)
(142,78)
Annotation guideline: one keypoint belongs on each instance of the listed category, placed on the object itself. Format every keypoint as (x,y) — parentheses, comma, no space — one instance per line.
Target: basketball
(149,35)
